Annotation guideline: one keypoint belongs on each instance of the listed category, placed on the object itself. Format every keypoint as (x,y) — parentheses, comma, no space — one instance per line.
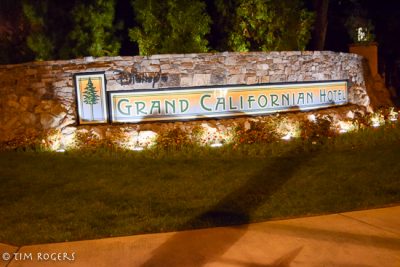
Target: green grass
(54,197)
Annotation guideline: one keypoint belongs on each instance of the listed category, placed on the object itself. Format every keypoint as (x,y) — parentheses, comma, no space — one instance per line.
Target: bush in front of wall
(317,130)
(174,139)
(256,132)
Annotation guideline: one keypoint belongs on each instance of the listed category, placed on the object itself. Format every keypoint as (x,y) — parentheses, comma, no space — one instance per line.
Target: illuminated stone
(48,95)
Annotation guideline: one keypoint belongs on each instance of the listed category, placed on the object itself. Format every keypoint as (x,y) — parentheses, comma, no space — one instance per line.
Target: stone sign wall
(38,96)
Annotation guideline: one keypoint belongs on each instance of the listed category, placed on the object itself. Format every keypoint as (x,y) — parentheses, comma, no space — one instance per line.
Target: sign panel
(224,101)
(91,98)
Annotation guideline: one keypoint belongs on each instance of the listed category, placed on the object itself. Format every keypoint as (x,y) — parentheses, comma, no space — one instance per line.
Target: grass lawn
(54,197)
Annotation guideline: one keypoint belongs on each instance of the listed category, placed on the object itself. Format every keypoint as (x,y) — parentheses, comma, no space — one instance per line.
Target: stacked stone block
(38,96)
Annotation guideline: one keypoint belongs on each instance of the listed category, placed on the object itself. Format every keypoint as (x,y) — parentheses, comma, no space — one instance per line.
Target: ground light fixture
(137,148)
(393,117)
(375,124)
(312,118)
(345,126)
(375,121)
(287,136)
(216,145)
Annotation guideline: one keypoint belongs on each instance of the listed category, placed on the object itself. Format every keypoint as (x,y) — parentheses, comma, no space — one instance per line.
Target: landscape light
(345,127)
(137,141)
(312,118)
(393,115)
(287,136)
(377,120)
(61,150)
(216,145)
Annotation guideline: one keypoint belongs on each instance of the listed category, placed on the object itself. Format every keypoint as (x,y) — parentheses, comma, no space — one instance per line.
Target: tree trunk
(91,109)
(321,24)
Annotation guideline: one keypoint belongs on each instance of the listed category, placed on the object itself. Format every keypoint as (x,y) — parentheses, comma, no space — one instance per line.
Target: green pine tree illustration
(90,96)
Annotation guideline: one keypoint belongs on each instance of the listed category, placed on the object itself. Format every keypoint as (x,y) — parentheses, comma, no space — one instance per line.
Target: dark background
(384,15)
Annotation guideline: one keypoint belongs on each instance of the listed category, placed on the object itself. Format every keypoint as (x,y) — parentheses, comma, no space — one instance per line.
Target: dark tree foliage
(170,26)
(320,25)
(49,23)
(93,32)
(263,25)
(223,20)
(59,29)
(64,29)
(13,32)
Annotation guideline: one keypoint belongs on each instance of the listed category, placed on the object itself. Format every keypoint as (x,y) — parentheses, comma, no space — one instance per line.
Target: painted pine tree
(90,96)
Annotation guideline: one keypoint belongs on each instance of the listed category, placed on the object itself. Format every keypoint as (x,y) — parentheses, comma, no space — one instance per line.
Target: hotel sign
(224,101)
(95,105)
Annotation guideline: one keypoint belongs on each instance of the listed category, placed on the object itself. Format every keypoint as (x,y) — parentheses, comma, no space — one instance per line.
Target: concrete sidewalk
(353,239)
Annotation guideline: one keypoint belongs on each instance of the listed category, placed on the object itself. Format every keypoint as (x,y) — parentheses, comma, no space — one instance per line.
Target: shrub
(33,141)
(174,139)
(90,140)
(258,132)
(317,130)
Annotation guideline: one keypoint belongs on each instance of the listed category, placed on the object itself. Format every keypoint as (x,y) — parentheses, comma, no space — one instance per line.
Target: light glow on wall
(68,139)
(137,141)
(53,140)
(289,129)
(211,136)
(345,126)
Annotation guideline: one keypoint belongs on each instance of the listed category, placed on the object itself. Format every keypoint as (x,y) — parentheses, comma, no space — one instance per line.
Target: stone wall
(39,96)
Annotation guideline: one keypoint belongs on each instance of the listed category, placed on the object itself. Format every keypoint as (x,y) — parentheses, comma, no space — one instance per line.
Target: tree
(49,26)
(222,15)
(90,96)
(265,25)
(86,31)
(13,33)
(38,40)
(93,29)
(320,25)
(171,26)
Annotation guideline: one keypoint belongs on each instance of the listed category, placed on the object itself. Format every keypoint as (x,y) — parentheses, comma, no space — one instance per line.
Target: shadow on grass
(196,248)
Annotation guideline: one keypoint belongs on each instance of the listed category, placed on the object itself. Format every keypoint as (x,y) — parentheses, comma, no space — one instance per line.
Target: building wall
(39,96)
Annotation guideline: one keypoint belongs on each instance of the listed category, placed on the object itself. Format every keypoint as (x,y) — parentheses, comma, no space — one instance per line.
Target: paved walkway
(354,239)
